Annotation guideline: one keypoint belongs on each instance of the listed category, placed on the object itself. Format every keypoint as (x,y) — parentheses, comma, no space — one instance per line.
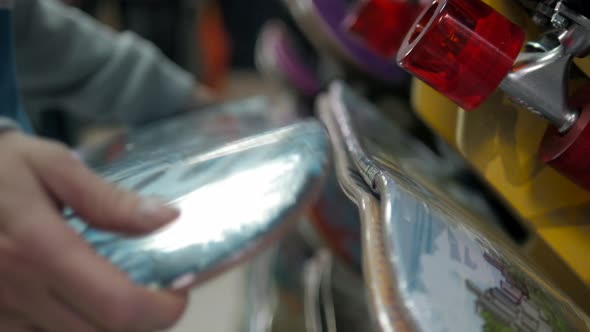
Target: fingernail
(155,209)
(184,281)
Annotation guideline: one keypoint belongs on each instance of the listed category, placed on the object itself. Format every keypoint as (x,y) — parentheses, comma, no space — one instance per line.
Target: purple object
(293,66)
(277,56)
(332,14)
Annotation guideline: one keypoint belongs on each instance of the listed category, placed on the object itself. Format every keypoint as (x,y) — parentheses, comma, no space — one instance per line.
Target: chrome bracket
(538,82)
(539,79)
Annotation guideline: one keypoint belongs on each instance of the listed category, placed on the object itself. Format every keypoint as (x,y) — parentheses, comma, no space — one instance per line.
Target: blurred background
(213,39)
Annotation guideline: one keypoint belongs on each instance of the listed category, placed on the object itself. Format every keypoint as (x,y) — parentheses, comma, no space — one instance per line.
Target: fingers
(57,316)
(53,315)
(96,289)
(51,278)
(99,203)
(11,325)
(24,290)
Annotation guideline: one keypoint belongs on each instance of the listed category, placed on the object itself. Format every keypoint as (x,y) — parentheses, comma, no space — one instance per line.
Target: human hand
(50,278)
(204,95)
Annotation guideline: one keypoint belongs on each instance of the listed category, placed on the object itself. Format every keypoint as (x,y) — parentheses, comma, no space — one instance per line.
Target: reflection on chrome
(207,216)
(429,265)
(234,199)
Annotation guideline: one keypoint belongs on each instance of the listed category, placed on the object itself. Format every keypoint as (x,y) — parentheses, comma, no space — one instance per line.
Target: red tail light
(382,24)
(462,48)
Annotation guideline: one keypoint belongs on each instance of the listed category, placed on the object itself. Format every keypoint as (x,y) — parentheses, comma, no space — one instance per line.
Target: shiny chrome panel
(429,264)
(234,197)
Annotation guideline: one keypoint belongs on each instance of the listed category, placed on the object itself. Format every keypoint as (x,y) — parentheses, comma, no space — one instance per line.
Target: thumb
(100,204)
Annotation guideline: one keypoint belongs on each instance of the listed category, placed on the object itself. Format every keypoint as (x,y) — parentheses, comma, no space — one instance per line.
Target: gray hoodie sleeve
(68,60)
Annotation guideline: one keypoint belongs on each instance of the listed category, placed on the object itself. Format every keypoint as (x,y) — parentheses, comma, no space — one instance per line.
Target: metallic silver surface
(199,130)
(318,299)
(310,290)
(382,297)
(539,80)
(423,252)
(261,293)
(380,294)
(575,17)
(577,37)
(234,197)
(577,40)
(539,83)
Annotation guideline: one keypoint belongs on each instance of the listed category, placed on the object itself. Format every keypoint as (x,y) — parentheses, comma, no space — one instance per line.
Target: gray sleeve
(68,60)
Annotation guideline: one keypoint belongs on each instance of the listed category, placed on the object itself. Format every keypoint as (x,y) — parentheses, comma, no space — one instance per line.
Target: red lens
(462,48)
(383,24)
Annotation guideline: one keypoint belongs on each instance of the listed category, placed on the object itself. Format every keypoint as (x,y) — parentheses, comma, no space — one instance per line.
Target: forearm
(67,60)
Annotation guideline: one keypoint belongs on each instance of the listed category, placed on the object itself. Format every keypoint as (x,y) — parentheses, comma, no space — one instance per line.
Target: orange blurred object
(214,47)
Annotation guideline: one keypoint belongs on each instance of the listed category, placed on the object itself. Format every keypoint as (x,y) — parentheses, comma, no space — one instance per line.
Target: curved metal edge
(313,191)
(309,193)
(347,146)
(385,301)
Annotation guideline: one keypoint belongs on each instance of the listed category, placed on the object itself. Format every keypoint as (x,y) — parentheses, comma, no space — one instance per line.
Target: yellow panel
(509,10)
(558,271)
(436,110)
(572,244)
(583,64)
(501,142)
